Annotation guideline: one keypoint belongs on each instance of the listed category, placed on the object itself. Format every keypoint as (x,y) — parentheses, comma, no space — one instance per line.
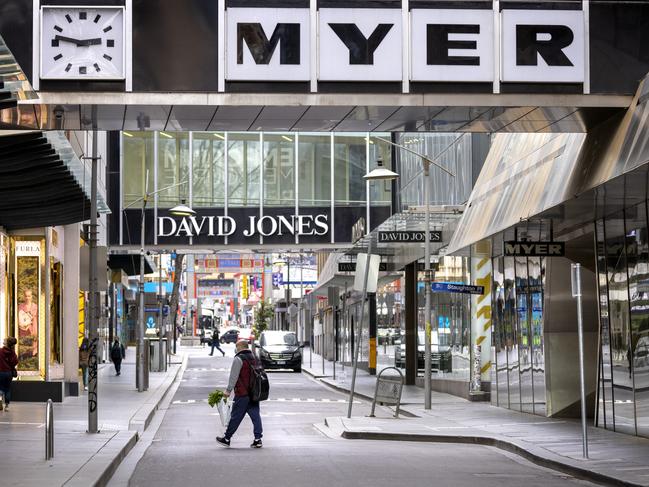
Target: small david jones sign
(409,237)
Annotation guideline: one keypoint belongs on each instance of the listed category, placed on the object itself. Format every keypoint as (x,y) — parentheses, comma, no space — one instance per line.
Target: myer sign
(224,226)
(361,44)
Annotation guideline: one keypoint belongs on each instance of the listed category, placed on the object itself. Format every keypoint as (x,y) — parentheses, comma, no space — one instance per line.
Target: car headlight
(264,353)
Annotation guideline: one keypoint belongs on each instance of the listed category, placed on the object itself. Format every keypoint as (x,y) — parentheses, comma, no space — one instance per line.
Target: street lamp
(428,279)
(379,173)
(142,367)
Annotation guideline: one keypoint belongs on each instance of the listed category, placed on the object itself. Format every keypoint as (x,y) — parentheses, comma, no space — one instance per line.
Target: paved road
(184,452)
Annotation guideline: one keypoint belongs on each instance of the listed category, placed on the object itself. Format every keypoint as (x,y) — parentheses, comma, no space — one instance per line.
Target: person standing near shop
(117,354)
(8,363)
(215,342)
(84,357)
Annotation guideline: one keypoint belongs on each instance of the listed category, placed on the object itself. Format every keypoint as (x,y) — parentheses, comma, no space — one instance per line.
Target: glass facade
(518,355)
(249,169)
(622,243)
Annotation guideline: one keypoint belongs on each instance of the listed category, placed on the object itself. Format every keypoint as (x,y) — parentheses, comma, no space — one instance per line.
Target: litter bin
(154,357)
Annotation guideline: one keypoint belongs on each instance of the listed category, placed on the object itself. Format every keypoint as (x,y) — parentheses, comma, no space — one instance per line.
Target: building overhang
(344,112)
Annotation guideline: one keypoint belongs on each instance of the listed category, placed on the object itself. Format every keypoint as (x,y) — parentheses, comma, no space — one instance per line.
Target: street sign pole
(576,293)
(427,284)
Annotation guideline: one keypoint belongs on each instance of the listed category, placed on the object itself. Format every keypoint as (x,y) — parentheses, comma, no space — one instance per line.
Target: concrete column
(411,323)
(481,317)
(70,294)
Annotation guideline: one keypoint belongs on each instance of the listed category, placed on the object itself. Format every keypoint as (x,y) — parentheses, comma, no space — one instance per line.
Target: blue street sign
(165,310)
(278,279)
(151,309)
(450,287)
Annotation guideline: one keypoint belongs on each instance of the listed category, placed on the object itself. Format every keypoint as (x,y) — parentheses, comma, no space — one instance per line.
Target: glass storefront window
(244,155)
(314,169)
(173,168)
(511,335)
(208,162)
(536,275)
(137,149)
(279,169)
(524,344)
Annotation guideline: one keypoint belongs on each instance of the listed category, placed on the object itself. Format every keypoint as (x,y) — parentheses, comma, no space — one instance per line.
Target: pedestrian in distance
(8,363)
(117,353)
(84,358)
(239,384)
(215,342)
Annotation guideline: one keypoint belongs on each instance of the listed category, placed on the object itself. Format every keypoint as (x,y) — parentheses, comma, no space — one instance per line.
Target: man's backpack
(258,385)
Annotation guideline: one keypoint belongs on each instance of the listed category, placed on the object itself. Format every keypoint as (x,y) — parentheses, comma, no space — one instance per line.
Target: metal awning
(568,178)
(41,181)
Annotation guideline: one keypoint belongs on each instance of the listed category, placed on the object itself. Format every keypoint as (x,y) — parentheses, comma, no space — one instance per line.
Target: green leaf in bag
(215,397)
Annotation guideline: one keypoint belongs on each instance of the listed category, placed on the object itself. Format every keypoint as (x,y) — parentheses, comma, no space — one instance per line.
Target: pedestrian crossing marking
(207,369)
(278,399)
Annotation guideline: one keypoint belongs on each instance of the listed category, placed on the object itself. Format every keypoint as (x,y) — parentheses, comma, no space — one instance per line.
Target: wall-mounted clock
(82,43)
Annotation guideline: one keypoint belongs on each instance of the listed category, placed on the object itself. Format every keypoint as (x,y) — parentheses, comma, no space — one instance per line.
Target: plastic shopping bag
(225,409)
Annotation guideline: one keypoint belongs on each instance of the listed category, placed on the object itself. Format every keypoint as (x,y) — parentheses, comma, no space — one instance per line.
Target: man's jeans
(5,387)
(241,406)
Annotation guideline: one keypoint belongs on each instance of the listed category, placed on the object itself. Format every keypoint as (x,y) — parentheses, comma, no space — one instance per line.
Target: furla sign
(361,44)
(225,226)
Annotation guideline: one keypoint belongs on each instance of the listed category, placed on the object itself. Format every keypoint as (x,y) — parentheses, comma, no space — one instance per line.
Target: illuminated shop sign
(225,226)
(357,44)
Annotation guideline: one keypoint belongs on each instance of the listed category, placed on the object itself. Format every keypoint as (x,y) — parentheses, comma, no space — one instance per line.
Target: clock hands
(80,42)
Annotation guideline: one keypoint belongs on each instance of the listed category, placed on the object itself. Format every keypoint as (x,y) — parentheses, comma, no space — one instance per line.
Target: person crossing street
(239,383)
(215,342)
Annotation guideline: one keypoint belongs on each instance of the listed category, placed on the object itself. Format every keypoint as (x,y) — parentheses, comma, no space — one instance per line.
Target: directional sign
(150,322)
(450,287)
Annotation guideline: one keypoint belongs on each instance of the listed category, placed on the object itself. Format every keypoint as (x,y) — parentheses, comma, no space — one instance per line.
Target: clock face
(82,43)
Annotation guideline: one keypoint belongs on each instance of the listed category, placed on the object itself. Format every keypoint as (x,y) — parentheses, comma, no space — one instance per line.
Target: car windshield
(269,338)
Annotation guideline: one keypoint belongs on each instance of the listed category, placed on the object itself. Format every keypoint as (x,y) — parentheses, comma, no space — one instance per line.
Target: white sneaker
(6,407)
(1,403)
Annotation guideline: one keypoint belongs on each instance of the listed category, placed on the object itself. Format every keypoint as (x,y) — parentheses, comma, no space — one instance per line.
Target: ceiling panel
(147,117)
(234,118)
(109,117)
(190,117)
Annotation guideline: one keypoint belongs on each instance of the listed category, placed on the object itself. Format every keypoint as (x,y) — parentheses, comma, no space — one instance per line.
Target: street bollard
(49,430)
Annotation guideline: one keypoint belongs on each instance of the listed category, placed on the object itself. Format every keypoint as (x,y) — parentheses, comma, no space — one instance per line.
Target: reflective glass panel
(350,155)
(380,191)
(535,277)
(499,338)
(619,321)
(244,158)
(173,168)
(638,267)
(524,345)
(606,404)
(279,169)
(208,160)
(511,336)
(137,162)
(314,169)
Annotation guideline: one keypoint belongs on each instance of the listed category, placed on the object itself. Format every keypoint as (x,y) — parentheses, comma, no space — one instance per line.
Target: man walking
(215,342)
(240,376)
(117,353)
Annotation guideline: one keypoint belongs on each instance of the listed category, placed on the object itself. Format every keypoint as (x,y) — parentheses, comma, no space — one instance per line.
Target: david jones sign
(224,226)
(442,45)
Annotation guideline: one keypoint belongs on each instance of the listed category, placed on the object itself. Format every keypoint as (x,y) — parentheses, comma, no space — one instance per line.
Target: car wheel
(297,369)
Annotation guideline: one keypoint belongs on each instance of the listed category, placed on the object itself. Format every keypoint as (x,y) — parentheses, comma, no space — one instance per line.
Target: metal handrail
(49,430)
